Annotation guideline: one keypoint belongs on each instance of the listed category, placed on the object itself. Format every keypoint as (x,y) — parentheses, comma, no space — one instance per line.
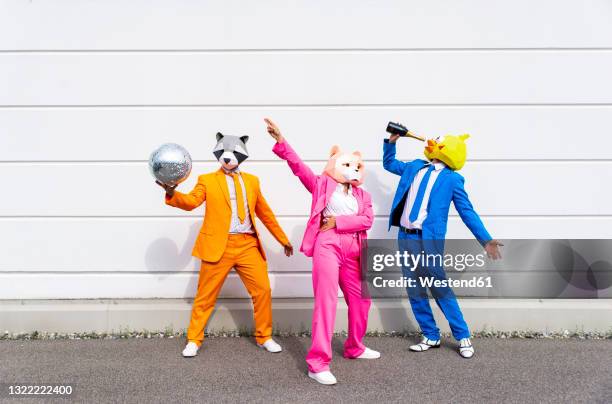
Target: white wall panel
(278,24)
(153,245)
(89,88)
(127,189)
(129,285)
(306,78)
(120,134)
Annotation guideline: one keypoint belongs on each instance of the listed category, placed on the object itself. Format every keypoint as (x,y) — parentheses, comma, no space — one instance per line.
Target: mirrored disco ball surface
(170,163)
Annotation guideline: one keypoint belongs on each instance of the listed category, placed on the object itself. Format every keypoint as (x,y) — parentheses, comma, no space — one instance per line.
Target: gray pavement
(235,370)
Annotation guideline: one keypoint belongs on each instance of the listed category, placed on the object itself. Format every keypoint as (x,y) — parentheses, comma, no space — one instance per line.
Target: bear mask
(345,168)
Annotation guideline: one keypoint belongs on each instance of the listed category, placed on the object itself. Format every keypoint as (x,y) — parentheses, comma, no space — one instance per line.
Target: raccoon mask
(230,151)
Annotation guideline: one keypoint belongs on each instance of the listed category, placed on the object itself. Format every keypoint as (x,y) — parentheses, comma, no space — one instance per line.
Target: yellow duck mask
(449,149)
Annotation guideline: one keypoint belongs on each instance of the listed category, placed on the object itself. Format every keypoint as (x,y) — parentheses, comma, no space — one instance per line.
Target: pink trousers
(336,263)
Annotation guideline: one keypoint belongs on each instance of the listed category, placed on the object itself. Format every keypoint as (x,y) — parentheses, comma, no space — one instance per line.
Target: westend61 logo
(568,269)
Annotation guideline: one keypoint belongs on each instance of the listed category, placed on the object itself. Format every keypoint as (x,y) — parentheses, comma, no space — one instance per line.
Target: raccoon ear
(334,150)
(244,139)
(219,136)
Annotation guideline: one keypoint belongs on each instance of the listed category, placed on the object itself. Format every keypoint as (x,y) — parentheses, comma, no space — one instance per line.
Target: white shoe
(466,350)
(369,354)
(271,346)
(425,344)
(324,377)
(191,350)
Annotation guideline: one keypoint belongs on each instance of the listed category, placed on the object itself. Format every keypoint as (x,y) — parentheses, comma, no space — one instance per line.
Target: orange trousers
(241,253)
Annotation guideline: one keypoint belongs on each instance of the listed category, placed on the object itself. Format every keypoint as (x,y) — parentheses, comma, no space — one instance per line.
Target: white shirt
(341,203)
(412,193)
(235,225)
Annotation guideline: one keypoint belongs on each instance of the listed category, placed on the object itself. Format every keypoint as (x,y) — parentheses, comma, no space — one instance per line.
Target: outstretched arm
(189,201)
(473,222)
(265,214)
(283,150)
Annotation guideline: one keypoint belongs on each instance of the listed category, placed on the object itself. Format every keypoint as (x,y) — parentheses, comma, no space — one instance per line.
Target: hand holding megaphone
(395,128)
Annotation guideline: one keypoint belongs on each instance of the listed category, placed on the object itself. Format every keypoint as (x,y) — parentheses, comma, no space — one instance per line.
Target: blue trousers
(417,293)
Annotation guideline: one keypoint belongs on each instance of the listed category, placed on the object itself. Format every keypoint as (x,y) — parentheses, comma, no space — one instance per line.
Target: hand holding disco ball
(168,188)
(170,164)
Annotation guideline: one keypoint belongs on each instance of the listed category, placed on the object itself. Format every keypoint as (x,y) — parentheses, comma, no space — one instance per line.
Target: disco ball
(170,164)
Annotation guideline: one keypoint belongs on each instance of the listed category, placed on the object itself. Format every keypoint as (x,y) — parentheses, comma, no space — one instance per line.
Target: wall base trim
(293,315)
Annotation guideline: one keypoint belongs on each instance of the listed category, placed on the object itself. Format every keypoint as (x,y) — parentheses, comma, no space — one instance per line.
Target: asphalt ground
(236,370)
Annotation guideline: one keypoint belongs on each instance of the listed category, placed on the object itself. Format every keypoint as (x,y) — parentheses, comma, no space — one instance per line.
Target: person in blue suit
(420,210)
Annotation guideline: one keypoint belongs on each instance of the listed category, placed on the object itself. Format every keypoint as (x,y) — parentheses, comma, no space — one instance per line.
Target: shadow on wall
(163,258)
(382,194)
(278,261)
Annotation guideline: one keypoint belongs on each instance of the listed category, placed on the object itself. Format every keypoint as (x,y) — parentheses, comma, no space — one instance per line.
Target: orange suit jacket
(212,188)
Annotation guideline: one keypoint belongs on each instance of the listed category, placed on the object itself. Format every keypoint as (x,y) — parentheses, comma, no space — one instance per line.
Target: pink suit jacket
(322,187)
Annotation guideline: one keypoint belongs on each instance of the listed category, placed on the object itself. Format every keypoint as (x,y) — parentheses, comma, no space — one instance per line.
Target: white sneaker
(369,354)
(425,344)
(191,350)
(466,350)
(324,377)
(271,346)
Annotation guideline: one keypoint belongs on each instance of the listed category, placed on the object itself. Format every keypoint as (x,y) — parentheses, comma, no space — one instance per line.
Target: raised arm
(390,163)
(189,201)
(283,150)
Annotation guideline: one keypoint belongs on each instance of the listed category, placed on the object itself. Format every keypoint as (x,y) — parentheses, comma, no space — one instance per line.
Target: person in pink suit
(341,213)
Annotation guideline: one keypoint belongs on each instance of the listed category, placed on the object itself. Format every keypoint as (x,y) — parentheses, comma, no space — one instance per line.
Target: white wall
(89,88)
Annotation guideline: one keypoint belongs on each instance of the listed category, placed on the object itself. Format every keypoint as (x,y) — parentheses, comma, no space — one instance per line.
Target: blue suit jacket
(448,187)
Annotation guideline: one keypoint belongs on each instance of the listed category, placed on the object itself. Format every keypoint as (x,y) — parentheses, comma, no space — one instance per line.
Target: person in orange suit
(229,239)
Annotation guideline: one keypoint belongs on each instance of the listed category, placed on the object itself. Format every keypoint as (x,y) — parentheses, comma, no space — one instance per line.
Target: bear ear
(464,137)
(244,139)
(357,153)
(334,150)
(219,136)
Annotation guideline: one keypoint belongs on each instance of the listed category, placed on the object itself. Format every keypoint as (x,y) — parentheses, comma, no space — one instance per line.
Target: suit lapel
(414,172)
(247,189)
(439,180)
(330,188)
(327,188)
(406,182)
(222,181)
(358,194)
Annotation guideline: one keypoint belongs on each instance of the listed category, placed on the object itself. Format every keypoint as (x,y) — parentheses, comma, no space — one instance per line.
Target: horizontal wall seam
(281,162)
(348,50)
(250,107)
(285,216)
(309,105)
